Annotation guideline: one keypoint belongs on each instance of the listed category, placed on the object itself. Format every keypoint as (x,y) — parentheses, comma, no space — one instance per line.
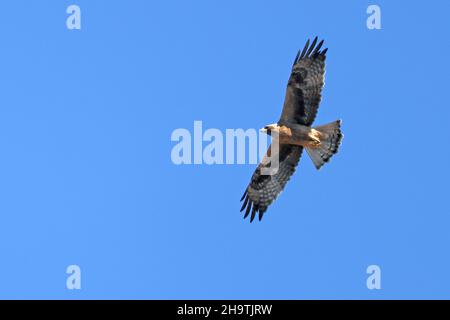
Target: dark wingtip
(296,58)
(311,51)
(245,204)
(316,50)
(254,210)
(247,212)
(243,196)
(261,214)
(304,49)
(313,44)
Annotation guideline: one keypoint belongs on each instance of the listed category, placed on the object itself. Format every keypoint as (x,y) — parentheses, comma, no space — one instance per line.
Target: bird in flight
(293,132)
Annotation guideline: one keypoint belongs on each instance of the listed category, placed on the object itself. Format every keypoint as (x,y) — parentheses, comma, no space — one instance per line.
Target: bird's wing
(264,189)
(304,89)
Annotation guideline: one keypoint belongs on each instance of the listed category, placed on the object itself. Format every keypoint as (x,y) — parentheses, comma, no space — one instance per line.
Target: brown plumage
(293,132)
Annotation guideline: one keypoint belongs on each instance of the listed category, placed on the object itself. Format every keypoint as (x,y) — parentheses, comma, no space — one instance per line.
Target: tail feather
(330,141)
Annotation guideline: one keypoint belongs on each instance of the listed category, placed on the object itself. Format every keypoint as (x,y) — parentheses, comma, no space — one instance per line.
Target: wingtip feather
(247,212)
(302,55)
(254,210)
(313,44)
(243,196)
(244,204)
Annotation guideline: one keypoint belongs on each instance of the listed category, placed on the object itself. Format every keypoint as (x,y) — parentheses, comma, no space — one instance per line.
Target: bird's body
(294,132)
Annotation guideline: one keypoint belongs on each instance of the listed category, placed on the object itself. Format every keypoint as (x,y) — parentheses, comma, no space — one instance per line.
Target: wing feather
(264,189)
(304,89)
(304,50)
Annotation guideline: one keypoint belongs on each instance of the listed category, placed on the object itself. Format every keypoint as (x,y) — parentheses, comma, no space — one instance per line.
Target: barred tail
(329,143)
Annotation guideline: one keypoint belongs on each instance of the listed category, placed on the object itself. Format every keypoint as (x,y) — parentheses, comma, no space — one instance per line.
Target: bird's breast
(299,135)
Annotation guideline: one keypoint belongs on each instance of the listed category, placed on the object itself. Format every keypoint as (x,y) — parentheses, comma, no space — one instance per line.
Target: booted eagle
(293,132)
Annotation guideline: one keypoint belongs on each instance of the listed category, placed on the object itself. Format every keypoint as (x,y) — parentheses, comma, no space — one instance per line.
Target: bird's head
(270,128)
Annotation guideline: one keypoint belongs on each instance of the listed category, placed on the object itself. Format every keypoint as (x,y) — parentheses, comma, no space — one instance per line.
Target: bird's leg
(315,137)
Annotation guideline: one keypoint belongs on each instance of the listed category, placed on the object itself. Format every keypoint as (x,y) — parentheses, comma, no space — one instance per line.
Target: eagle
(293,132)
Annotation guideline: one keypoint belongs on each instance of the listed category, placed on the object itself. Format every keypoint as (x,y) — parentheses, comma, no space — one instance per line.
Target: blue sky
(86,176)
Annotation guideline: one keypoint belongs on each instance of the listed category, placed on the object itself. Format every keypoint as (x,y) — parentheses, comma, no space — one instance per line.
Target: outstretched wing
(264,189)
(304,89)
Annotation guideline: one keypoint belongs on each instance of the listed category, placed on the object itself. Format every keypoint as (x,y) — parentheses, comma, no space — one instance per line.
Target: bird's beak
(263,130)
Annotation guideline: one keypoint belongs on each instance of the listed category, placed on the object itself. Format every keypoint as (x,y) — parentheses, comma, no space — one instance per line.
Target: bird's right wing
(264,189)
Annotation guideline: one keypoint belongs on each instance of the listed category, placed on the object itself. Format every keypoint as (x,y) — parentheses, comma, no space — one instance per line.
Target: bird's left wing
(304,89)
(264,189)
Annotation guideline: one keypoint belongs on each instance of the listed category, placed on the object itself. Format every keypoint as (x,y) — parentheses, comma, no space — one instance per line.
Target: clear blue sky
(86,176)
